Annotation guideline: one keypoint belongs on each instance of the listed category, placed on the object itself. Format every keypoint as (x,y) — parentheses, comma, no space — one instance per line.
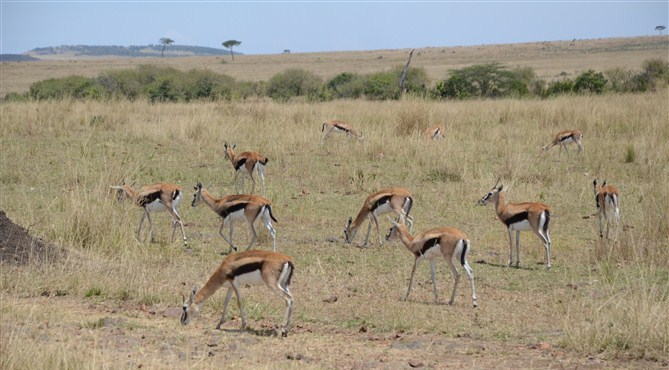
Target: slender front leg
(239,303)
(434,282)
(510,247)
(517,248)
(141,221)
(220,231)
(413,272)
(225,308)
(148,216)
(237,175)
(369,230)
(253,233)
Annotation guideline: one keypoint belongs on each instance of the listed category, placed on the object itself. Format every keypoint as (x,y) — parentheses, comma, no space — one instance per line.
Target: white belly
(521,226)
(568,140)
(383,209)
(250,278)
(156,206)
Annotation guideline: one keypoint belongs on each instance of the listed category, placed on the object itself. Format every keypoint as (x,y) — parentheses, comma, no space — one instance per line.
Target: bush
(590,81)
(565,86)
(485,81)
(657,69)
(382,86)
(76,87)
(346,86)
(294,83)
(416,80)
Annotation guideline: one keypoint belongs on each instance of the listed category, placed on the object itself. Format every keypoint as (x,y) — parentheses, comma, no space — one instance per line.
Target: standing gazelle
(521,217)
(158,197)
(397,200)
(239,207)
(272,269)
(434,133)
(246,163)
(340,127)
(607,198)
(447,242)
(566,137)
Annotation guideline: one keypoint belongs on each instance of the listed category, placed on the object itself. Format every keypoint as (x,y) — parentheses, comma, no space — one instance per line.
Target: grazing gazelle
(272,269)
(434,132)
(238,207)
(446,242)
(566,137)
(246,163)
(520,217)
(607,198)
(397,200)
(341,127)
(158,197)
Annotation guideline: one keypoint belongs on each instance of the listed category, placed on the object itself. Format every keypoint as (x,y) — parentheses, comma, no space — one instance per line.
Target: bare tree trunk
(232,53)
(404,72)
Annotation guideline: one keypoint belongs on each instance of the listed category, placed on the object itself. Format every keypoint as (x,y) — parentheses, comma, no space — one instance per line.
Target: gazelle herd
(275,270)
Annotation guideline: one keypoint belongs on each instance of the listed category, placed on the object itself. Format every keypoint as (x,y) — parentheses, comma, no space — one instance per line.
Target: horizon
(269,27)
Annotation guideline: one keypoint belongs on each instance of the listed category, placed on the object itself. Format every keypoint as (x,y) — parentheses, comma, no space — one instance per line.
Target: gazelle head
(349,233)
(394,231)
(197,197)
(492,195)
(190,309)
(229,153)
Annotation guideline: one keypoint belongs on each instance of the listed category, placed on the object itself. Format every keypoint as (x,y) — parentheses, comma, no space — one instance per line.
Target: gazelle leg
(617,211)
(416,262)
(254,237)
(268,226)
(261,175)
(141,221)
(510,247)
(470,273)
(220,231)
(456,279)
(236,178)
(239,304)
(148,216)
(434,282)
(369,230)
(225,308)
(517,248)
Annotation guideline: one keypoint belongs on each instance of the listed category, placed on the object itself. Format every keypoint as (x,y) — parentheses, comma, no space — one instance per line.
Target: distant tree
(229,44)
(286,51)
(660,29)
(165,41)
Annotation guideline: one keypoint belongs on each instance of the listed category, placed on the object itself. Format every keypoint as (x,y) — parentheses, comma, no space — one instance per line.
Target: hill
(125,51)
(16,58)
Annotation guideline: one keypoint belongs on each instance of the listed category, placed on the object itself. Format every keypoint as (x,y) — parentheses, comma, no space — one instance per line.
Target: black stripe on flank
(427,245)
(240,164)
(463,255)
(566,137)
(148,198)
(342,128)
(548,220)
(234,208)
(383,200)
(245,269)
(518,217)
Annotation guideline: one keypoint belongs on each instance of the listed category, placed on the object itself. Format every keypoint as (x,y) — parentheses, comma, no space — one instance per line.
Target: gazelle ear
(234,146)
(192,295)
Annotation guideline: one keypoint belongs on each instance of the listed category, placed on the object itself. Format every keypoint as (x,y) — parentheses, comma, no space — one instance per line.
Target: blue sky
(268,27)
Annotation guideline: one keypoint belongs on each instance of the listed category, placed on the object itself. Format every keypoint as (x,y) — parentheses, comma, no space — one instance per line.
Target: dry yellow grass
(111,302)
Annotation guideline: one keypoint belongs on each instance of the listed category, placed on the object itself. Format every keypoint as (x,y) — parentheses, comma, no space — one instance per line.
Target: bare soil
(18,247)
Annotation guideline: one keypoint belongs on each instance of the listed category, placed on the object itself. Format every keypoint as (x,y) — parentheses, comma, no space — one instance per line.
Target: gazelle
(341,127)
(256,267)
(520,217)
(246,163)
(238,207)
(447,242)
(607,198)
(158,197)
(397,200)
(566,137)
(434,133)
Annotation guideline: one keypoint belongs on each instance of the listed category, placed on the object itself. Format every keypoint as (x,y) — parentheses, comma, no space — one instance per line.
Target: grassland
(112,300)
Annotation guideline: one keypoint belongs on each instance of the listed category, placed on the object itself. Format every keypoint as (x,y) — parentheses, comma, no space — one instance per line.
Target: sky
(269,27)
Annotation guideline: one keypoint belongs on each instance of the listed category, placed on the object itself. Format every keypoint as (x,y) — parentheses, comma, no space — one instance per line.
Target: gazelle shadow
(484,262)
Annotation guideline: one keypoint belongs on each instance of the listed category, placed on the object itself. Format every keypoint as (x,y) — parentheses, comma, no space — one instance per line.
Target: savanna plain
(93,295)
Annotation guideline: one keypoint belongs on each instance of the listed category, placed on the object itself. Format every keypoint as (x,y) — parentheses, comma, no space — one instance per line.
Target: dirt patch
(19,248)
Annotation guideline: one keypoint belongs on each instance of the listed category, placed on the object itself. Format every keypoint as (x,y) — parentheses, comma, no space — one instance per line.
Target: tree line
(481,81)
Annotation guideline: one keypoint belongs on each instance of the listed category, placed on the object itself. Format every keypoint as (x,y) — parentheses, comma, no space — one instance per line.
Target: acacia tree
(229,44)
(165,41)
(660,29)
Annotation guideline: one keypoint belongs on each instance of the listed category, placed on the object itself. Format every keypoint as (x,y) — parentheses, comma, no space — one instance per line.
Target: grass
(600,298)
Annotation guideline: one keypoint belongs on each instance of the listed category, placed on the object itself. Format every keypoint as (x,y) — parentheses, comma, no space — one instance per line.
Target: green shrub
(558,87)
(658,69)
(381,86)
(590,81)
(346,86)
(58,88)
(294,83)
(490,80)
